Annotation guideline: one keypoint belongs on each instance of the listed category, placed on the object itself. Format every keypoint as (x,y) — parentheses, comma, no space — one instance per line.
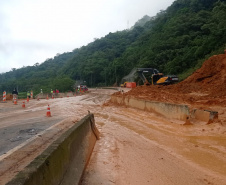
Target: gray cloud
(32,31)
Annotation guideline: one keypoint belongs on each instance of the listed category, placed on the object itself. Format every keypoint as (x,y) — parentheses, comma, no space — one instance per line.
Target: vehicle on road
(84,87)
(123,84)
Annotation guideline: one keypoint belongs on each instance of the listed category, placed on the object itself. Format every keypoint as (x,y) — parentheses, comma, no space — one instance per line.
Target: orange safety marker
(48,113)
(31,94)
(52,97)
(27,99)
(15,101)
(47,97)
(4,96)
(23,105)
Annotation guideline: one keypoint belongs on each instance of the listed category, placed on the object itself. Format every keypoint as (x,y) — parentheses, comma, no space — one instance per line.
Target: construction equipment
(149,76)
(123,84)
(157,78)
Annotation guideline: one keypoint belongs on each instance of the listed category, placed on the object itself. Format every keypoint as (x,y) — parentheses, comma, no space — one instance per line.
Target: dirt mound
(210,78)
(205,86)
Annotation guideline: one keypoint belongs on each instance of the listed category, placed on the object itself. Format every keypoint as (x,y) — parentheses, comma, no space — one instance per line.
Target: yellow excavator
(157,78)
(149,76)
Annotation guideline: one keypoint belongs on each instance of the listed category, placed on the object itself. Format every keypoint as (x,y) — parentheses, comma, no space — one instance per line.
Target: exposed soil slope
(206,86)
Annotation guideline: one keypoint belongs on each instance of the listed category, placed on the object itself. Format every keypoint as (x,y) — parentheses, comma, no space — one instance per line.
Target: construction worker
(51,91)
(15,94)
(28,94)
(41,91)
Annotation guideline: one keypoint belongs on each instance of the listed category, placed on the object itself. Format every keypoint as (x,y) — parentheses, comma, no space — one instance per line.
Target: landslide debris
(210,78)
(206,86)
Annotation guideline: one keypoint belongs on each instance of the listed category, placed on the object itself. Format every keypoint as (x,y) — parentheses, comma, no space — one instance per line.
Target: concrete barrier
(169,110)
(132,102)
(174,111)
(204,115)
(64,161)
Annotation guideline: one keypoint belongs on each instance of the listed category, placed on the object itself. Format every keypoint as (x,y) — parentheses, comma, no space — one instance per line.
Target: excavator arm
(143,78)
(141,71)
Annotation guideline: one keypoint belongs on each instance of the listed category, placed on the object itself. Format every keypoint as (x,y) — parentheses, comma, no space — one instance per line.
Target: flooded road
(136,147)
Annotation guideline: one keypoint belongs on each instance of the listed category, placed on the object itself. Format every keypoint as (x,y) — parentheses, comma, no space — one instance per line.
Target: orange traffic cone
(48,113)
(52,97)
(15,101)
(27,99)
(47,97)
(23,105)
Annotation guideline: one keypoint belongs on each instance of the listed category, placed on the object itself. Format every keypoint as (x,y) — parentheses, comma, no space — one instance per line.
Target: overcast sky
(33,30)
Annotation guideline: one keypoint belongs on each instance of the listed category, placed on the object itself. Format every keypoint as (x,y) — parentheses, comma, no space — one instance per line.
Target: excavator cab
(156,77)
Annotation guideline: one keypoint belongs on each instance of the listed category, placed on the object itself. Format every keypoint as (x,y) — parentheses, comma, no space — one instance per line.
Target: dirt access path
(136,147)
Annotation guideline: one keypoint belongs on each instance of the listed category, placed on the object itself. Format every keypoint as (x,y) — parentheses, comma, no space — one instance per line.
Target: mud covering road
(143,148)
(136,147)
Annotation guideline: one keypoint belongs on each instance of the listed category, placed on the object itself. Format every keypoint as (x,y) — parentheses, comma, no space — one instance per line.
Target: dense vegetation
(175,41)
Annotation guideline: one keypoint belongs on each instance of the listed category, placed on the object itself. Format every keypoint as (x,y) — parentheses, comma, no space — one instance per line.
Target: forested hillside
(175,41)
